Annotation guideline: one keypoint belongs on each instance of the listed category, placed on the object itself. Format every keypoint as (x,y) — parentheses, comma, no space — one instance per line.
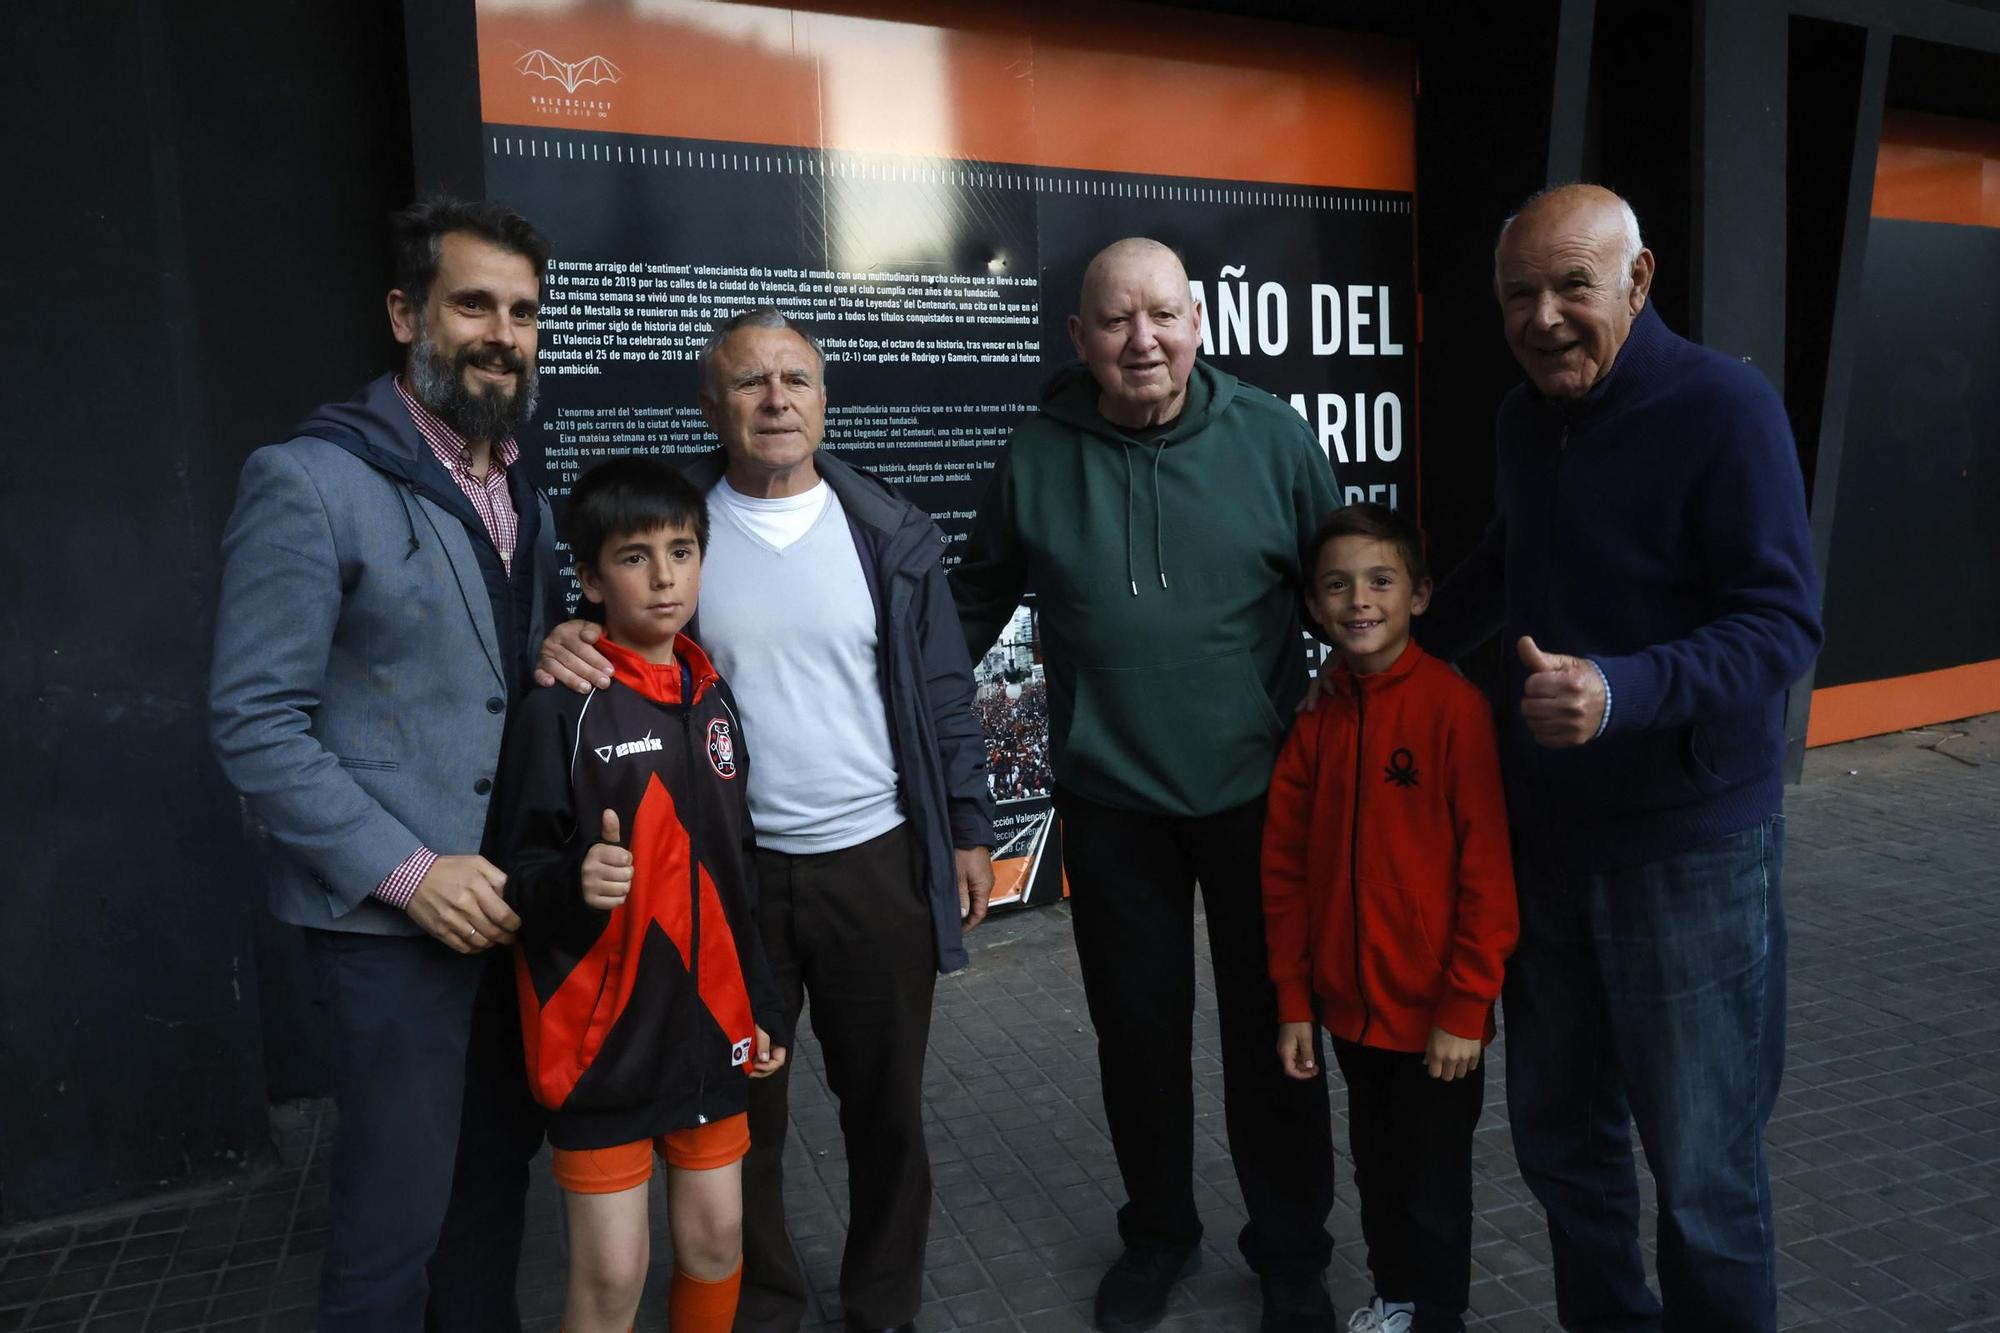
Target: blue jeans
(1653,996)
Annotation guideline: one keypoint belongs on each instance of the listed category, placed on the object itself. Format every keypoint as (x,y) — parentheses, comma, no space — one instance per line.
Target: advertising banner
(923,185)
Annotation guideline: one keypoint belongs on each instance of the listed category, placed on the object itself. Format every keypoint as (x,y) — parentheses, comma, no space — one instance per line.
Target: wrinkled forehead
(1132,282)
(1579,233)
(753,350)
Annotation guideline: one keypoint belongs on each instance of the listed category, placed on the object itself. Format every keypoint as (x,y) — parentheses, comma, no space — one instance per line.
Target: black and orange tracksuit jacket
(640,1020)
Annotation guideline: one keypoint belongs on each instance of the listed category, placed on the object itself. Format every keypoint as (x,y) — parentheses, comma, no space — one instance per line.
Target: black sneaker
(1298,1304)
(1133,1295)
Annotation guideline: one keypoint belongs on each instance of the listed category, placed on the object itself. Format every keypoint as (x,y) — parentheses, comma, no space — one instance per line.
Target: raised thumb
(609,827)
(1534,658)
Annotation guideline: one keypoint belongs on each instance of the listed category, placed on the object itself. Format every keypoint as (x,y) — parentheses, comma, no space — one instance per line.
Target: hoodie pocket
(1191,736)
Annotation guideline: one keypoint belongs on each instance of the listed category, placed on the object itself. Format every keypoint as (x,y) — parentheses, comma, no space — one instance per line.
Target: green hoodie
(1166,575)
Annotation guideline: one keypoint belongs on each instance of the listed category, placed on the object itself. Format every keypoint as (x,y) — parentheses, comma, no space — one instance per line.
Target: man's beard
(490,414)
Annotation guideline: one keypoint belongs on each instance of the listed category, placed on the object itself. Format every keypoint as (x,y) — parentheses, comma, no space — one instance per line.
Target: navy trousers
(474,1270)
(1653,996)
(407,1069)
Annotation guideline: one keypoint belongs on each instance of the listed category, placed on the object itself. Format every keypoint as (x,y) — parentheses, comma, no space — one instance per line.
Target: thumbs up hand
(607,868)
(1563,701)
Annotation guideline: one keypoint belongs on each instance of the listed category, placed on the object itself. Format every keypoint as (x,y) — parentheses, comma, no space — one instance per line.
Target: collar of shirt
(449,446)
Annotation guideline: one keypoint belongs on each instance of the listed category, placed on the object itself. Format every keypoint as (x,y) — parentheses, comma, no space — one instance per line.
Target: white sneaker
(1374,1318)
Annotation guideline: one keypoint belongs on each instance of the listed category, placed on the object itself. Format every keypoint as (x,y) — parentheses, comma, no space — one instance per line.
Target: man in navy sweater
(1651,566)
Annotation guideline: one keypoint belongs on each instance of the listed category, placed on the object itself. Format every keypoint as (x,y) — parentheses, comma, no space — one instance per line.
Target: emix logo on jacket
(647,744)
(721,749)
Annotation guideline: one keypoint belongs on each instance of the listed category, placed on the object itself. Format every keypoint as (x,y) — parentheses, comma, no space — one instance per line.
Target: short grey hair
(1630,242)
(760,317)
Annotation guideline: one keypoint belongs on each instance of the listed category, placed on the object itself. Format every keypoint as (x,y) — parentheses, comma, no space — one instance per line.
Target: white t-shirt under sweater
(788,619)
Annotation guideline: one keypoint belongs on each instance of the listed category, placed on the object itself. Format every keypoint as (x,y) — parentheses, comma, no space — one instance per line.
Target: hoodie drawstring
(408,496)
(1131,575)
(1159,537)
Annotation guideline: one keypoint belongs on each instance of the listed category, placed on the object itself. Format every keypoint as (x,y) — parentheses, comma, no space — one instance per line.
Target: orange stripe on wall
(1870,708)
(1938,169)
(1109,85)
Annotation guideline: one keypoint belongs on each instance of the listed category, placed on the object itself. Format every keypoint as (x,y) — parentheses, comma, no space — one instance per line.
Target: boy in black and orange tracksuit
(1389,911)
(622,826)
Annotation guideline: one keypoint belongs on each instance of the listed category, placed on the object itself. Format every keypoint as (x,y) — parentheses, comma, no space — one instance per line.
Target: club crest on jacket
(721,749)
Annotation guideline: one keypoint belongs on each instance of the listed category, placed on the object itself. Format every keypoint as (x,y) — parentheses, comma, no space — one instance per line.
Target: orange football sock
(695,1306)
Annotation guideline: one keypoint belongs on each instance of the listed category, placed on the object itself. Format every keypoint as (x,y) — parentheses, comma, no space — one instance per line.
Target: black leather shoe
(856,1327)
(1133,1295)
(1298,1304)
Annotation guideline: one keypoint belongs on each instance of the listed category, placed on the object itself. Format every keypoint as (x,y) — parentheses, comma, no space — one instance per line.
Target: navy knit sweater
(1658,527)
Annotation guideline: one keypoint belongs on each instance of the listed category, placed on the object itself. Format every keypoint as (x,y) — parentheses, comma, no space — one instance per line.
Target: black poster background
(940,290)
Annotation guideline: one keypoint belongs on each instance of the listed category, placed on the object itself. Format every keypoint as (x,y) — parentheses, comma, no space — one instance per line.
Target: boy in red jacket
(1389,911)
(621,822)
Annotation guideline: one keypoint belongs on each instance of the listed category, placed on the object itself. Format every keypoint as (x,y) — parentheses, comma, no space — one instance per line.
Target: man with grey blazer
(387,573)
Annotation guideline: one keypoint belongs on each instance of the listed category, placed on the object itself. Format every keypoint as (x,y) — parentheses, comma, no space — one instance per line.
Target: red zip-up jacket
(639,1020)
(1388,885)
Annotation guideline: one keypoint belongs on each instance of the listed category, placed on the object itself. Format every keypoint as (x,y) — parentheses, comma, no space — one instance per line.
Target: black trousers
(1132,879)
(1411,1138)
(422,1076)
(851,930)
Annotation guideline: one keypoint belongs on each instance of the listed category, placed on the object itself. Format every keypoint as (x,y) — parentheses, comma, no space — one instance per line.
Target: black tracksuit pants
(1411,1140)
(1132,880)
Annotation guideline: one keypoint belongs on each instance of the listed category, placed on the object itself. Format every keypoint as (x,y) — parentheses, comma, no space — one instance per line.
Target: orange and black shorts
(612,1170)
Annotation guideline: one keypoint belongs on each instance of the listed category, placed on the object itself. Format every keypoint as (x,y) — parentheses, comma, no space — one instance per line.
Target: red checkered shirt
(490,496)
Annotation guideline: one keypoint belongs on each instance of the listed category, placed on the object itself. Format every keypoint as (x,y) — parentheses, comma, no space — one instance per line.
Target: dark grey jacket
(926,679)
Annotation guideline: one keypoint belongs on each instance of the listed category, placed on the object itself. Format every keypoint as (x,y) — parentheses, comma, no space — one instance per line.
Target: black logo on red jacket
(721,749)
(1402,769)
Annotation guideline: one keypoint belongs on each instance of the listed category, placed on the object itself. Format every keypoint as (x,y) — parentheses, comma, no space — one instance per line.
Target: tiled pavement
(1885,1148)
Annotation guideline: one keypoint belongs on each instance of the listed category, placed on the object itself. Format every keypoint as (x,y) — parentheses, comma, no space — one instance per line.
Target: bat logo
(571,75)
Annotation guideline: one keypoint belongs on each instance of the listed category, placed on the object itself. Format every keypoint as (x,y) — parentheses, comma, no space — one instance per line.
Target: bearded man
(387,573)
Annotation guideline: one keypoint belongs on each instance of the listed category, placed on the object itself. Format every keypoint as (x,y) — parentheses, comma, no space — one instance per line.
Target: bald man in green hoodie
(1157,508)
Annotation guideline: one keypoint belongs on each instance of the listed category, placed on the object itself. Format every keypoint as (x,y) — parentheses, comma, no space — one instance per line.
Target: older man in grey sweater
(825,605)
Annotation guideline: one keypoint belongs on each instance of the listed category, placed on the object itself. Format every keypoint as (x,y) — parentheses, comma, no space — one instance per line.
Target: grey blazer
(358,694)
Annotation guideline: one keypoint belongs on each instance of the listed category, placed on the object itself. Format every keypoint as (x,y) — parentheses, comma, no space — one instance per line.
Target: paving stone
(1885,1148)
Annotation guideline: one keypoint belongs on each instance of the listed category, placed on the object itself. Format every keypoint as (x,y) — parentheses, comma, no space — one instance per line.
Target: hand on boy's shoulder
(1315,687)
(569,657)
